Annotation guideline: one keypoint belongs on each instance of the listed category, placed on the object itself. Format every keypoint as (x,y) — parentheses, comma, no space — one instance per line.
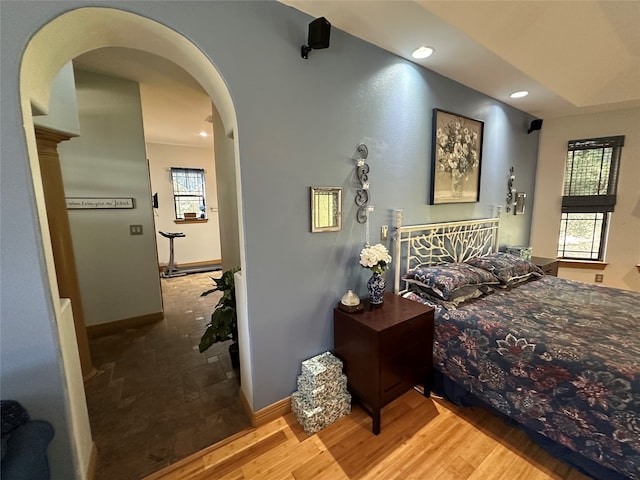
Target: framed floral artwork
(456,158)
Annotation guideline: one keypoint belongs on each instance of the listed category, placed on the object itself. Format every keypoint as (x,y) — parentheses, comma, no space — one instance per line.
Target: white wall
(63,108)
(63,117)
(227,196)
(78,411)
(38,353)
(118,272)
(202,241)
(623,250)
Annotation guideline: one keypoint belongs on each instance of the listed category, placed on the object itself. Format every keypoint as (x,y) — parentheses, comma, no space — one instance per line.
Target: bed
(559,358)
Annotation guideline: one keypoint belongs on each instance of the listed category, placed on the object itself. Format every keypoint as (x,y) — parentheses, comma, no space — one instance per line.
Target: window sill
(585,264)
(191,220)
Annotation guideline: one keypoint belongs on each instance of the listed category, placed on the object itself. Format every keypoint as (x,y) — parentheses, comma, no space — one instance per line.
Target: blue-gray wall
(299,122)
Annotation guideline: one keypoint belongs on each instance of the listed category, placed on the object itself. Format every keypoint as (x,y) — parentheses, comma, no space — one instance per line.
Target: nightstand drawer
(401,372)
(391,390)
(551,269)
(405,350)
(405,336)
(548,265)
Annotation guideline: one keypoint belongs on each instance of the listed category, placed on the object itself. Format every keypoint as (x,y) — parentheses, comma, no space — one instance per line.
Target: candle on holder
(369,210)
(398,218)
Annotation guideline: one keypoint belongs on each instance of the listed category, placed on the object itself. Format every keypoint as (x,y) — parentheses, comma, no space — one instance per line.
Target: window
(589,197)
(188,193)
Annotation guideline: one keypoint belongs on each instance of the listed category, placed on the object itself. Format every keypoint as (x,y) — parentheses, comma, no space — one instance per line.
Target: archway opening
(60,41)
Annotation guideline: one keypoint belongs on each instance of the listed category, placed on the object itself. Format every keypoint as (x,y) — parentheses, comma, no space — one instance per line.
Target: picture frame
(99,203)
(326,209)
(456,158)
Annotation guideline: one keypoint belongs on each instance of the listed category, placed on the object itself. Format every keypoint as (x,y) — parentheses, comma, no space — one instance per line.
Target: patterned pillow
(509,269)
(458,297)
(450,280)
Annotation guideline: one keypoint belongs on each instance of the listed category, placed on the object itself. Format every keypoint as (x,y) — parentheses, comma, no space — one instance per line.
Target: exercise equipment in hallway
(172,270)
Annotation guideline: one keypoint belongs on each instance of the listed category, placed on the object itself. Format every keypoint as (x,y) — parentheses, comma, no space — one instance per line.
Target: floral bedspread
(560,357)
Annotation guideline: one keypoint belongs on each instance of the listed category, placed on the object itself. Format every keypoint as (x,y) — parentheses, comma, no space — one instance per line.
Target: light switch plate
(135,229)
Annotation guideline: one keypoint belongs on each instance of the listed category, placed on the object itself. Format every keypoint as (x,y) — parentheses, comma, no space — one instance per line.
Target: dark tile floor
(157,399)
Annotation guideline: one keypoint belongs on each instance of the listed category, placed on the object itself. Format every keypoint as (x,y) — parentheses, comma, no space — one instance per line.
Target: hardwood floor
(421,439)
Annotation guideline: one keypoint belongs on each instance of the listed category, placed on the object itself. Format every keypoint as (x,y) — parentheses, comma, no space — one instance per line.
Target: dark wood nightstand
(548,265)
(386,350)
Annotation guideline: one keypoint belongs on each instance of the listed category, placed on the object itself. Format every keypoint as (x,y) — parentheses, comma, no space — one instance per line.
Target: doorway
(49,50)
(155,399)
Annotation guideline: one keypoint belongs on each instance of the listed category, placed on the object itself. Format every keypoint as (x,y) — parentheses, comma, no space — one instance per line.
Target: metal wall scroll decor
(515,200)
(362,194)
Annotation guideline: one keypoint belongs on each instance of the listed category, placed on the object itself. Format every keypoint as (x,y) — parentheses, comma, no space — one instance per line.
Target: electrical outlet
(135,229)
(599,277)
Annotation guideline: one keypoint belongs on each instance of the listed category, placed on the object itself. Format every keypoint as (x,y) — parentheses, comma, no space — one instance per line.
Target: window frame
(191,194)
(604,230)
(602,202)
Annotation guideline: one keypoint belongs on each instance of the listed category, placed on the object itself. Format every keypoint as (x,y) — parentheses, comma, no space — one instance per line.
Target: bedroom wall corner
(623,249)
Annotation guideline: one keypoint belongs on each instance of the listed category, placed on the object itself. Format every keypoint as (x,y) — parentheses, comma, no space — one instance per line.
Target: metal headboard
(438,243)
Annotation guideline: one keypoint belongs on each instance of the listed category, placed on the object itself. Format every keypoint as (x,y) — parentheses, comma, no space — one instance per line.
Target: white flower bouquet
(375,257)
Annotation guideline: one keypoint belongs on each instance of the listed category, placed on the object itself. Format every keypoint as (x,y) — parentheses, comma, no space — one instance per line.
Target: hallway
(157,399)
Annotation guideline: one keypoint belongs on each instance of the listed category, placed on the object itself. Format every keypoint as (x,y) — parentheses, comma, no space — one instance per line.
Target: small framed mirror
(326,209)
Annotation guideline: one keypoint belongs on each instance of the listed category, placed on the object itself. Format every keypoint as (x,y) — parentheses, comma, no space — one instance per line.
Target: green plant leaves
(224,321)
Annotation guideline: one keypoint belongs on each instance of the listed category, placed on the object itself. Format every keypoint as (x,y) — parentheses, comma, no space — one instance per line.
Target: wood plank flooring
(421,439)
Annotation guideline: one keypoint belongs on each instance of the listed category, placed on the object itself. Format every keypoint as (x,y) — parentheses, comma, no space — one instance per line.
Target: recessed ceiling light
(520,94)
(203,134)
(422,52)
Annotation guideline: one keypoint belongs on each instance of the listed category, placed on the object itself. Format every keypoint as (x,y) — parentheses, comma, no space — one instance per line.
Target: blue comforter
(560,357)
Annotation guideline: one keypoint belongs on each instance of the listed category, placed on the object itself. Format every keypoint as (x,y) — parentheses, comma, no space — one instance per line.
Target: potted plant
(224,320)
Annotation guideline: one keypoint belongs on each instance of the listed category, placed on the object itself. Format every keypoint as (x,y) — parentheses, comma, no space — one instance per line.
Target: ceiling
(174,105)
(572,57)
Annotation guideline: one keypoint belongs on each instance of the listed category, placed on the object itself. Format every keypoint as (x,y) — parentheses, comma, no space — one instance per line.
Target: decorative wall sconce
(318,37)
(394,230)
(510,190)
(362,194)
(518,205)
(514,199)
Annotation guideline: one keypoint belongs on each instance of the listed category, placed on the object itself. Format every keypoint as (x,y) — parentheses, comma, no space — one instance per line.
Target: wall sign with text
(83,203)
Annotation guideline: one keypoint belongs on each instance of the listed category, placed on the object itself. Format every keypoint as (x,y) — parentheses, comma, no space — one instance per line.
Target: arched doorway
(57,43)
